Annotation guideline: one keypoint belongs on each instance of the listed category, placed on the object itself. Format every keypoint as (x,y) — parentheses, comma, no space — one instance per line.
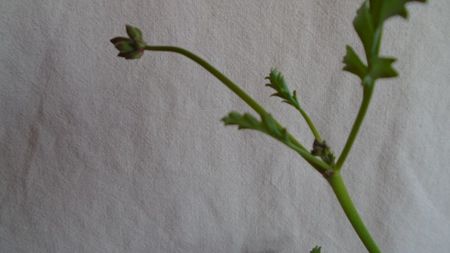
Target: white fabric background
(99,154)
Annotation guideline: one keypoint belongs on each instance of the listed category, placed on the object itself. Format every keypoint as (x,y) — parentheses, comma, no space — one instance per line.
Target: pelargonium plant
(368,24)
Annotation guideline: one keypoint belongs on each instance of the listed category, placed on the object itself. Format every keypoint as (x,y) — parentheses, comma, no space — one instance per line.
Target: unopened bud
(134,33)
(132,47)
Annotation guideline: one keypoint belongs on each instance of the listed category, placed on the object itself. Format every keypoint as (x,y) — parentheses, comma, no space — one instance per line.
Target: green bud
(322,150)
(318,148)
(125,46)
(132,47)
(134,33)
(118,39)
(140,44)
(132,55)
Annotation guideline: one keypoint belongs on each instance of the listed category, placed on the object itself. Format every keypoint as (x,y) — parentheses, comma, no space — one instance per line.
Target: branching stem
(369,25)
(319,165)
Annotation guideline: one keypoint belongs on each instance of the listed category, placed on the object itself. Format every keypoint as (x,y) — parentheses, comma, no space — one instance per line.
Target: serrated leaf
(382,68)
(364,26)
(278,83)
(245,121)
(368,24)
(315,250)
(382,9)
(267,124)
(353,63)
(375,8)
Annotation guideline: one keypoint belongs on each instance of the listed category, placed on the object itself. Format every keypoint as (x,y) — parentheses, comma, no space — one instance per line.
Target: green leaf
(278,83)
(272,127)
(368,24)
(382,68)
(315,250)
(382,9)
(353,63)
(266,125)
(246,121)
(364,26)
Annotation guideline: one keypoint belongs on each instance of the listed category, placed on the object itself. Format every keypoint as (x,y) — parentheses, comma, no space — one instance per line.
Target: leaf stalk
(367,96)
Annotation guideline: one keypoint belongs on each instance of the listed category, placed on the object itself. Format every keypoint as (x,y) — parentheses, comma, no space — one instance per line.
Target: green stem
(368,90)
(339,188)
(317,164)
(225,80)
(297,146)
(310,124)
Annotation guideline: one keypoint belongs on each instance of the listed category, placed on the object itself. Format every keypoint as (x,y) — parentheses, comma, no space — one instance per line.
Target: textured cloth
(99,154)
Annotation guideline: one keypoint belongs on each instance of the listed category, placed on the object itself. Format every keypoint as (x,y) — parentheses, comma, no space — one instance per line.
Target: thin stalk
(368,90)
(340,190)
(310,124)
(298,147)
(225,80)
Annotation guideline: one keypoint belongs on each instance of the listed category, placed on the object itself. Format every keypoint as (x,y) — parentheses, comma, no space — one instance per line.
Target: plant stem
(310,124)
(225,80)
(367,95)
(319,165)
(339,188)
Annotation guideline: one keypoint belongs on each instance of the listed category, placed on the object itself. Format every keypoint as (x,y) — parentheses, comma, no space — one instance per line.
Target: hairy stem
(339,188)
